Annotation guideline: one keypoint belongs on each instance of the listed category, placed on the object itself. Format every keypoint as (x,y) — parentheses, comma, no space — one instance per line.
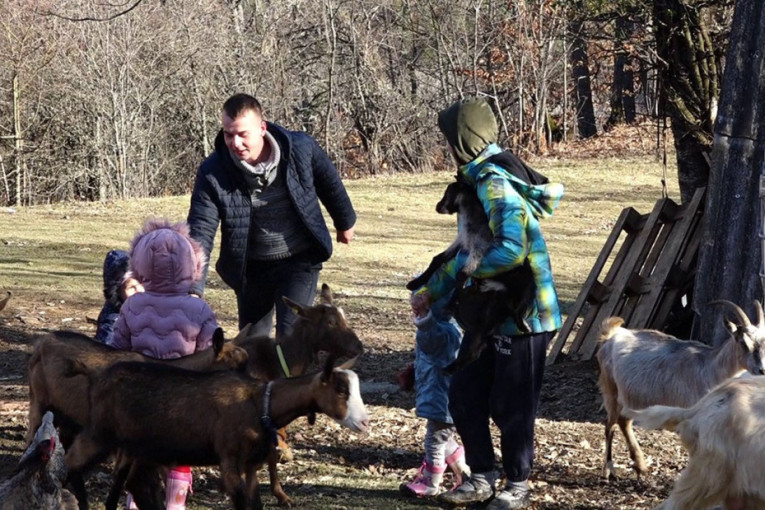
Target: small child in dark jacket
(437,344)
(117,288)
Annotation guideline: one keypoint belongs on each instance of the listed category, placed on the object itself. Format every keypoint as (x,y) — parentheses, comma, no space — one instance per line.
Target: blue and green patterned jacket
(514,209)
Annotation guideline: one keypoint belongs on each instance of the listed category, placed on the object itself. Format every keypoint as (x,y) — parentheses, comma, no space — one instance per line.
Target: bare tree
(24,51)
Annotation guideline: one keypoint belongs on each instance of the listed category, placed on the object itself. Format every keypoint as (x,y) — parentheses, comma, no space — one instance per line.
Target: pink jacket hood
(165,321)
(165,258)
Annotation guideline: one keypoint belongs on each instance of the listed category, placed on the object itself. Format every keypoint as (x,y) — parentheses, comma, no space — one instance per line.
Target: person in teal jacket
(504,383)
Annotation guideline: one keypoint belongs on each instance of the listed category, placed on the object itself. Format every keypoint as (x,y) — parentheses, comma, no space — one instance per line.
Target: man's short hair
(239,104)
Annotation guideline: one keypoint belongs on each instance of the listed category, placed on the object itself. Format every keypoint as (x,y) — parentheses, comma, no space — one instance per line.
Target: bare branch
(90,18)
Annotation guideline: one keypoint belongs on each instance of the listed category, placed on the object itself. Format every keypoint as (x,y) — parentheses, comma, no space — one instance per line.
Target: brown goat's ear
(244,332)
(296,308)
(348,364)
(329,367)
(326,294)
(217,340)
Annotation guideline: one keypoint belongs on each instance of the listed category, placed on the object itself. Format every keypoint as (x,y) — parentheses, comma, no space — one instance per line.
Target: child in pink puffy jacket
(165,321)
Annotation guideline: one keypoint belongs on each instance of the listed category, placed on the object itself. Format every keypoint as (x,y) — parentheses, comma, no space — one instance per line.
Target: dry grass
(51,257)
(53,254)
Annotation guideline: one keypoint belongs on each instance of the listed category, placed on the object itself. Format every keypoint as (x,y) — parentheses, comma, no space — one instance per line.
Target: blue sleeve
(507,220)
(105,330)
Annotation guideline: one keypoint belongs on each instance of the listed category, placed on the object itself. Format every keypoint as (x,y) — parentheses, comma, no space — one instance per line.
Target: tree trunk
(731,255)
(622,86)
(690,84)
(580,72)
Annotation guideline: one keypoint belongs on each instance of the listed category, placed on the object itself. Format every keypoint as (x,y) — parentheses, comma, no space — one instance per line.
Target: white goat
(724,434)
(641,368)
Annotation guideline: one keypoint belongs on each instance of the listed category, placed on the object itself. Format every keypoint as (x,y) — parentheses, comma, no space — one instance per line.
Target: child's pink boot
(427,482)
(178,485)
(456,462)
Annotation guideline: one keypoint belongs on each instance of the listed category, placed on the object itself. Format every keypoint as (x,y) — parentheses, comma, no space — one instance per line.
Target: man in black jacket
(263,184)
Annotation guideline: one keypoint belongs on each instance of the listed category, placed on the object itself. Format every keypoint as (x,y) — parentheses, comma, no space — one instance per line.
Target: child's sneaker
(427,482)
(456,462)
(178,485)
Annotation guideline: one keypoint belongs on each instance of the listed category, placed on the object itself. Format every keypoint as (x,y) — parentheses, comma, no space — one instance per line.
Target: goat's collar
(265,420)
(282,361)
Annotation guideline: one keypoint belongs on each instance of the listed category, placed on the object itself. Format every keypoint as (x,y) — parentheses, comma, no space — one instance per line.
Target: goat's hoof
(285,502)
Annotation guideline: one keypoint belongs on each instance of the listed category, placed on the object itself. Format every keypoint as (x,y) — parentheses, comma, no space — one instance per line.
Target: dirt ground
(334,468)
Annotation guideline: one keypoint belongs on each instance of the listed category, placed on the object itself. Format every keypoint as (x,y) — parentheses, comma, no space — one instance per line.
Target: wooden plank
(635,282)
(667,261)
(635,258)
(629,220)
(613,271)
(639,281)
(684,270)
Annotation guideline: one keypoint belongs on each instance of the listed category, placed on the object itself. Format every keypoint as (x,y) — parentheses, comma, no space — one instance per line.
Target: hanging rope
(661,135)
(664,192)
(762,228)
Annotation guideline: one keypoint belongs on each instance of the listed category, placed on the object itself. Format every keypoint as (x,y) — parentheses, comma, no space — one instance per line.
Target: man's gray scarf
(260,175)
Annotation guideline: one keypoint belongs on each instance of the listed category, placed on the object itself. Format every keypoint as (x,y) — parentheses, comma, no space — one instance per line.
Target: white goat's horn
(745,322)
(760,314)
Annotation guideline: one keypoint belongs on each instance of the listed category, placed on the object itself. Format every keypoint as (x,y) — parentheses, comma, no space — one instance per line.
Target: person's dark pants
(267,281)
(504,383)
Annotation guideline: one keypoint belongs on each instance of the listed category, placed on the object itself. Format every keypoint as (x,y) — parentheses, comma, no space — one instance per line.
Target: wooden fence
(650,275)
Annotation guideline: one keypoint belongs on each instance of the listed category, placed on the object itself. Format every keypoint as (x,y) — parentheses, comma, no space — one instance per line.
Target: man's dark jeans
(267,281)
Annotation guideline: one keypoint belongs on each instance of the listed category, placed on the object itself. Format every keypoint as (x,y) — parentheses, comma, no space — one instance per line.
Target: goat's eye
(342,390)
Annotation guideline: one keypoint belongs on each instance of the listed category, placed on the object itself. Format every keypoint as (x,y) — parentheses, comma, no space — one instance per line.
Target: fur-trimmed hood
(164,257)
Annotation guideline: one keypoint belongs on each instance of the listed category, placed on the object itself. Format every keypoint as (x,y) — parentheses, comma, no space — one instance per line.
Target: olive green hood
(469,126)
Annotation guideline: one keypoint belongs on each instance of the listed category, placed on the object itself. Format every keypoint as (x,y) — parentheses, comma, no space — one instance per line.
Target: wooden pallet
(653,268)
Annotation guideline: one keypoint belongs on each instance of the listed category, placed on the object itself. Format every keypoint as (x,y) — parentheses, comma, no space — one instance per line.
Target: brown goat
(53,387)
(318,328)
(207,418)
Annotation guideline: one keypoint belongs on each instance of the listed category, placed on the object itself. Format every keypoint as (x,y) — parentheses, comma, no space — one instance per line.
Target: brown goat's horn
(760,314)
(736,310)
